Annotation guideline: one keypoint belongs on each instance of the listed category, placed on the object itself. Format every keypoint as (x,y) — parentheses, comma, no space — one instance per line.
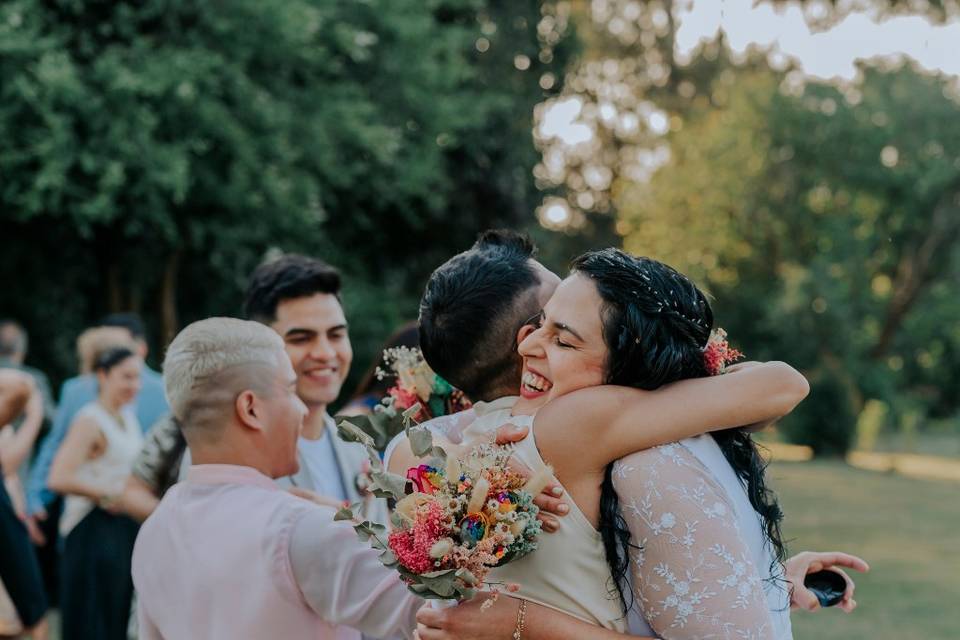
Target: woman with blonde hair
(96,340)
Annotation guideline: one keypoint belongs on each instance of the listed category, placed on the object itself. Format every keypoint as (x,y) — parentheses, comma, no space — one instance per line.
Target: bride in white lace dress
(695,532)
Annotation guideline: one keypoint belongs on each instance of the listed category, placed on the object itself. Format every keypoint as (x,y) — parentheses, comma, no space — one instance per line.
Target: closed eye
(534,320)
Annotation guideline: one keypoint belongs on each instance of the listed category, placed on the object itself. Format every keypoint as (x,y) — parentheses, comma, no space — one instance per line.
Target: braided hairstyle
(656,324)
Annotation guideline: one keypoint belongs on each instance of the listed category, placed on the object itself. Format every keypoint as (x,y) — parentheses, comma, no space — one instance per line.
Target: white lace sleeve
(693,576)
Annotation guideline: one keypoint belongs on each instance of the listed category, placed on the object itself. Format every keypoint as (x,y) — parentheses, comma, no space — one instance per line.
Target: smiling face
(566,351)
(314,332)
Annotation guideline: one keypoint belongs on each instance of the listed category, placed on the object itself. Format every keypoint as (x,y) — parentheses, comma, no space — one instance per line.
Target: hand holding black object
(809,563)
(828,586)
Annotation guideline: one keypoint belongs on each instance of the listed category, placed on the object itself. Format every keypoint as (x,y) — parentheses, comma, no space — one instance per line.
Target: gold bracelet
(521,620)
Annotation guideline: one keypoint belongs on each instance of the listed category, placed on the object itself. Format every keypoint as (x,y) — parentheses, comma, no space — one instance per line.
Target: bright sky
(827,54)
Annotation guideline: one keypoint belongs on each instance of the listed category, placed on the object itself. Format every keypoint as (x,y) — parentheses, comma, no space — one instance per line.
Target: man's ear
(525,330)
(248,409)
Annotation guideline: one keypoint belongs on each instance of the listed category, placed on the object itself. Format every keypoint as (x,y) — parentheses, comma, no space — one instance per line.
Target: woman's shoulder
(89,412)
(674,464)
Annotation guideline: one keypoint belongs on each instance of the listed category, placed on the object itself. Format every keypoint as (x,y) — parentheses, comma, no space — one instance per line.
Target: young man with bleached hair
(229,554)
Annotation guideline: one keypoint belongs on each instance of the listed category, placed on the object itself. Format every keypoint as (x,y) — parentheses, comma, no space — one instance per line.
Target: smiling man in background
(299,298)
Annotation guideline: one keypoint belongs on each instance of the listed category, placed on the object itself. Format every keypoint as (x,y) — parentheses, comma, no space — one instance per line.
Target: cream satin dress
(568,571)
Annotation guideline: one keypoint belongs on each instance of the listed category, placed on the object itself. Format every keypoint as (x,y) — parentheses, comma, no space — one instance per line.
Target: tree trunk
(918,267)
(169,323)
(114,288)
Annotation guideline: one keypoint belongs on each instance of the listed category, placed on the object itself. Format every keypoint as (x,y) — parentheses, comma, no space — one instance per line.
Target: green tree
(153,152)
(826,222)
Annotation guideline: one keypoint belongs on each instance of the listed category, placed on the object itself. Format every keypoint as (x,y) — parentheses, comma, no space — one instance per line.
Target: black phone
(828,586)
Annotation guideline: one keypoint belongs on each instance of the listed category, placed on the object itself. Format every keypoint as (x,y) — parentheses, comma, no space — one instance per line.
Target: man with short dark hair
(299,298)
(472,309)
(471,340)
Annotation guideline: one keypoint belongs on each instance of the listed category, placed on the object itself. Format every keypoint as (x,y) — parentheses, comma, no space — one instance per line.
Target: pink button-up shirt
(228,555)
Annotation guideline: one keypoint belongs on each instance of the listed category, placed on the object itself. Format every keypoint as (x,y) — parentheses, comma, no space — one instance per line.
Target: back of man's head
(285,278)
(471,310)
(13,339)
(210,363)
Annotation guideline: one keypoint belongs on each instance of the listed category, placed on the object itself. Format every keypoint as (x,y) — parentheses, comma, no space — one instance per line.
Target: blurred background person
(14,345)
(123,329)
(156,468)
(23,602)
(371,389)
(16,444)
(90,469)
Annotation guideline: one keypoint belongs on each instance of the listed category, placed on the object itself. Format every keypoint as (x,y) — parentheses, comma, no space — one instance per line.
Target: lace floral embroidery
(693,573)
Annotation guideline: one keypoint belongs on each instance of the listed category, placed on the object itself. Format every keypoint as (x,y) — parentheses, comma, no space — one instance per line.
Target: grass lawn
(907,529)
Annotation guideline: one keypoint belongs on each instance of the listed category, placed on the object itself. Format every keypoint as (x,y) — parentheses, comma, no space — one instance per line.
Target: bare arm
(585,430)
(15,391)
(18,448)
(763,424)
(82,442)
(468,622)
(138,499)
(15,490)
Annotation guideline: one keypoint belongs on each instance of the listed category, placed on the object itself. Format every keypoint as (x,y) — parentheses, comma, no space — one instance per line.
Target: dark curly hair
(656,323)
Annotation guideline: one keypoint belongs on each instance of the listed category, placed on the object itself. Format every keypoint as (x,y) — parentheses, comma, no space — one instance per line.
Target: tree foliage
(826,221)
(153,152)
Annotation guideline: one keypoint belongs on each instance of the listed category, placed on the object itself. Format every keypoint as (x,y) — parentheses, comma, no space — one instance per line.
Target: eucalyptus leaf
(388,558)
(388,485)
(350,432)
(371,528)
(442,583)
(467,577)
(421,441)
(411,413)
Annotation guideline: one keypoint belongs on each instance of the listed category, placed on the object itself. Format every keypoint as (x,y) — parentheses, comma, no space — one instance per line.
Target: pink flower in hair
(718,353)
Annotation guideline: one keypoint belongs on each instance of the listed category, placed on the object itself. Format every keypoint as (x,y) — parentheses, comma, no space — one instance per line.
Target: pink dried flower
(412,546)
(718,353)
(402,398)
